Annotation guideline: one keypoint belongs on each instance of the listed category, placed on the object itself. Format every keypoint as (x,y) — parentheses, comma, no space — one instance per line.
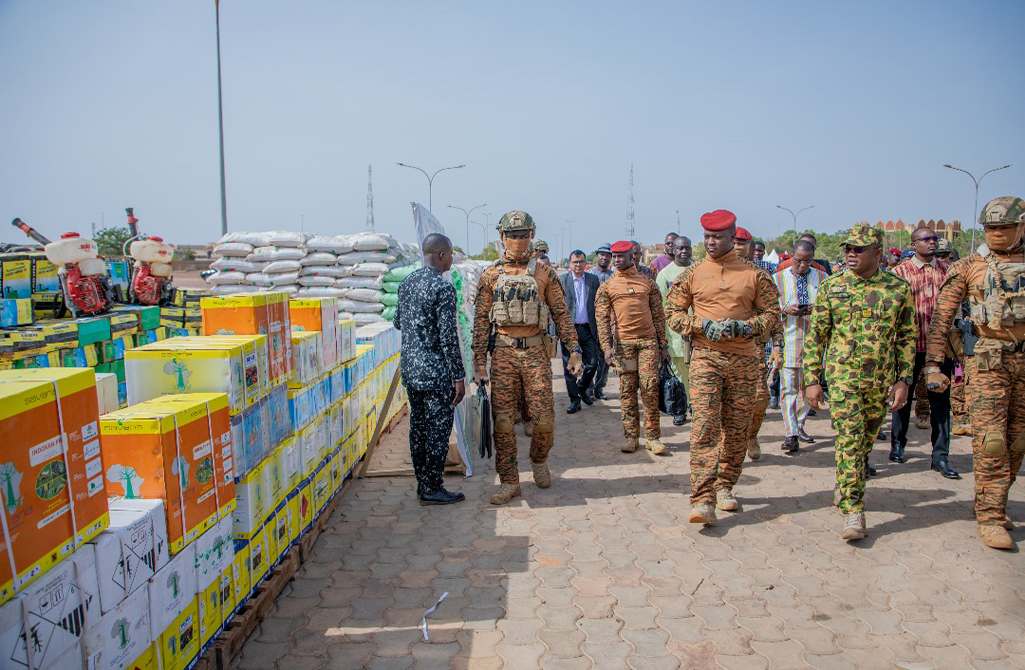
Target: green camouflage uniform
(862,340)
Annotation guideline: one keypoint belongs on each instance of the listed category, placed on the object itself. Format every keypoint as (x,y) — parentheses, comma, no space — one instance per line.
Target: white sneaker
(726,501)
(854,526)
(703,513)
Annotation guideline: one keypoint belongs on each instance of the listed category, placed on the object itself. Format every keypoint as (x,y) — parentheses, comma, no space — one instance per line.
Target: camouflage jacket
(549,288)
(965,279)
(863,332)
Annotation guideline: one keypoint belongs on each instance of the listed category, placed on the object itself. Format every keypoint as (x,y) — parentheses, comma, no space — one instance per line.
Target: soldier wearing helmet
(993,281)
(516,297)
(539,248)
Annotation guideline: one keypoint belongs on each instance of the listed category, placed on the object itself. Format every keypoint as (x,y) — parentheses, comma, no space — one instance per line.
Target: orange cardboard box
(164,450)
(220,425)
(51,493)
(254,314)
(319,314)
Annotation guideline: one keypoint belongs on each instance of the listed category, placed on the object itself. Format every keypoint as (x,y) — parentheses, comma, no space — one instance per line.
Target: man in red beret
(631,304)
(732,302)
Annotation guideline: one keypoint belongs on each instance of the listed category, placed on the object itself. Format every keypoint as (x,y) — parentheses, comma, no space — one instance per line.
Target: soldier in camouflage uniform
(863,327)
(633,302)
(733,302)
(515,299)
(993,281)
(538,248)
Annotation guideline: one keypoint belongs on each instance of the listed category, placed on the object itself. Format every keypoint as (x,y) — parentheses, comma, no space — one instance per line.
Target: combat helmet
(1004,210)
(516,220)
(539,247)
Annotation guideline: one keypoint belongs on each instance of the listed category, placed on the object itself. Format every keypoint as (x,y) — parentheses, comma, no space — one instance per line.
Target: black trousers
(939,413)
(430,425)
(589,356)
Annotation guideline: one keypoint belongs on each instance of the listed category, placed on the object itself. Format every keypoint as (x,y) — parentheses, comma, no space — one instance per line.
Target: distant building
(896,229)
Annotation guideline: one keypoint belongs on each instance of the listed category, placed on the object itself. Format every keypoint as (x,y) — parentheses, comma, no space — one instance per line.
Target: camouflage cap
(863,235)
(1003,210)
(515,220)
(943,245)
(540,245)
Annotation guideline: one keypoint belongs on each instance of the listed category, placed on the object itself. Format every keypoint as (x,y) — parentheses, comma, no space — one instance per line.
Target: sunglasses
(931,238)
(848,248)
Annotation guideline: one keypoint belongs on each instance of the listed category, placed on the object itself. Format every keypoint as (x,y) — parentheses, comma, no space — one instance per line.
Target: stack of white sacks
(348,267)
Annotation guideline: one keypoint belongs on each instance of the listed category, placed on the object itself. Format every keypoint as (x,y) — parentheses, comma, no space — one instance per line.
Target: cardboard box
(173,367)
(240,571)
(347,339)
(123,636)
(305,505)
(215,554)
(45,278)
(307,359)
(259,562)
(280,417)
(321,315)
(292,512)
(15,276)
(227,594)
(164,451)
(106,392)
(131,550)
(15,312)
(252,503)
(250,437)
(53,498)
(174,610)
(223,445)
(61,607)
(254,314)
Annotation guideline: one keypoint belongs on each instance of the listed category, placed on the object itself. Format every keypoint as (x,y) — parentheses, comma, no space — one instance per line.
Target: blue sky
(851,107)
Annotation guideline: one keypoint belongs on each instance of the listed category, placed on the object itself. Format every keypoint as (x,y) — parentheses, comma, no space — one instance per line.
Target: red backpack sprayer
(151,273)
(83,274)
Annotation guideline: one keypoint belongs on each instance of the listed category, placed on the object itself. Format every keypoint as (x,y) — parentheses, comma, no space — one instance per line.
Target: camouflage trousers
(959,400)
(997,399)
(761,401)
(922,409)
(857,414)
(645,353)
(722,392)
(521,374)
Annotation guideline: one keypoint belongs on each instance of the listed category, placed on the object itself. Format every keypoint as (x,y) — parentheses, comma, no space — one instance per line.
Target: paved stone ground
(602,570)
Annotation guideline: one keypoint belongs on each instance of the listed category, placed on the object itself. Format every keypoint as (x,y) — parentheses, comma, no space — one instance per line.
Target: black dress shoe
(573,408)
(812,412)
(882,436)
(804,437)
(600,395)
(943,467)
(790,444)
(869,470)
(679,419)
(897,454)
(588,400)
(773,403)
(441,497)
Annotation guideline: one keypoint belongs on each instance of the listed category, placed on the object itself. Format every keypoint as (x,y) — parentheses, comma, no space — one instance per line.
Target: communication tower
(630,222)
(370,198)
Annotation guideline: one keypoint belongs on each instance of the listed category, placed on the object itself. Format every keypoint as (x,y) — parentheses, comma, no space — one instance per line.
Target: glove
(936,381)
(713,330)
(575,365)
(738,329)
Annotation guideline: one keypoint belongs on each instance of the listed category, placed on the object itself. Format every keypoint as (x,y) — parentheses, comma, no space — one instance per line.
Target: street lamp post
(975,212)
(467,213)
(220,119)
(795,216)
(430,181)
(569,242)
(483,230)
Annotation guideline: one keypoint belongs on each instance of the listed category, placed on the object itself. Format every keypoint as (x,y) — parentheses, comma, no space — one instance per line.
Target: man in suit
(580,288)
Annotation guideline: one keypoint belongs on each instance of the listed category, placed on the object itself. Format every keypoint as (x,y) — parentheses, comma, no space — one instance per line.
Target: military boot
(656,447)
(1008,524)
(542,475)
(996,537)
(703,513)
(505,493)
(854,526)
(726,501)
(836,496)
(961,429)
(629,445)
(754,450)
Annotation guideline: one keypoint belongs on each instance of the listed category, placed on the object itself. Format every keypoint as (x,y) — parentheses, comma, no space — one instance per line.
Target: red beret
(895,251)
(743,235)
(720,219)
(622,246)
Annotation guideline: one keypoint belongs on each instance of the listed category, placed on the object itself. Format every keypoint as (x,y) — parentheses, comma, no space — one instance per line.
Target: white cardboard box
(61,606)
(122,634)
(173,588)
(106,392)
(215,552)
(131,550)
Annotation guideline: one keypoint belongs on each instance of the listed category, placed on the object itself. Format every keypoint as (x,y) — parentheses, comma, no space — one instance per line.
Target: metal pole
(795,216)
(430,181)
(467,213)
(220,120)
(975,212)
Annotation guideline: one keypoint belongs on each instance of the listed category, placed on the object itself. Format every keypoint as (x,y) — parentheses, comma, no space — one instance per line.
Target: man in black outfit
(432,366)
(580,288)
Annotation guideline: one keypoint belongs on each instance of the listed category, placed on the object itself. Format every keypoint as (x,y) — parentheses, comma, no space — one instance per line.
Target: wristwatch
(907,380)
(577,350)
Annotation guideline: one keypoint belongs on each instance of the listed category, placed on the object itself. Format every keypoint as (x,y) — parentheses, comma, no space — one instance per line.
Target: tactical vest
(516,301)
(1003,295)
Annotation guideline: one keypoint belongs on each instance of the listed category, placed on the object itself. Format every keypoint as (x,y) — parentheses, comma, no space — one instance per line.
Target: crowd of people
(741,334)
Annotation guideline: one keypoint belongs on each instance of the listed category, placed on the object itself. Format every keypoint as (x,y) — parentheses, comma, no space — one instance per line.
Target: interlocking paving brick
(603,570)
